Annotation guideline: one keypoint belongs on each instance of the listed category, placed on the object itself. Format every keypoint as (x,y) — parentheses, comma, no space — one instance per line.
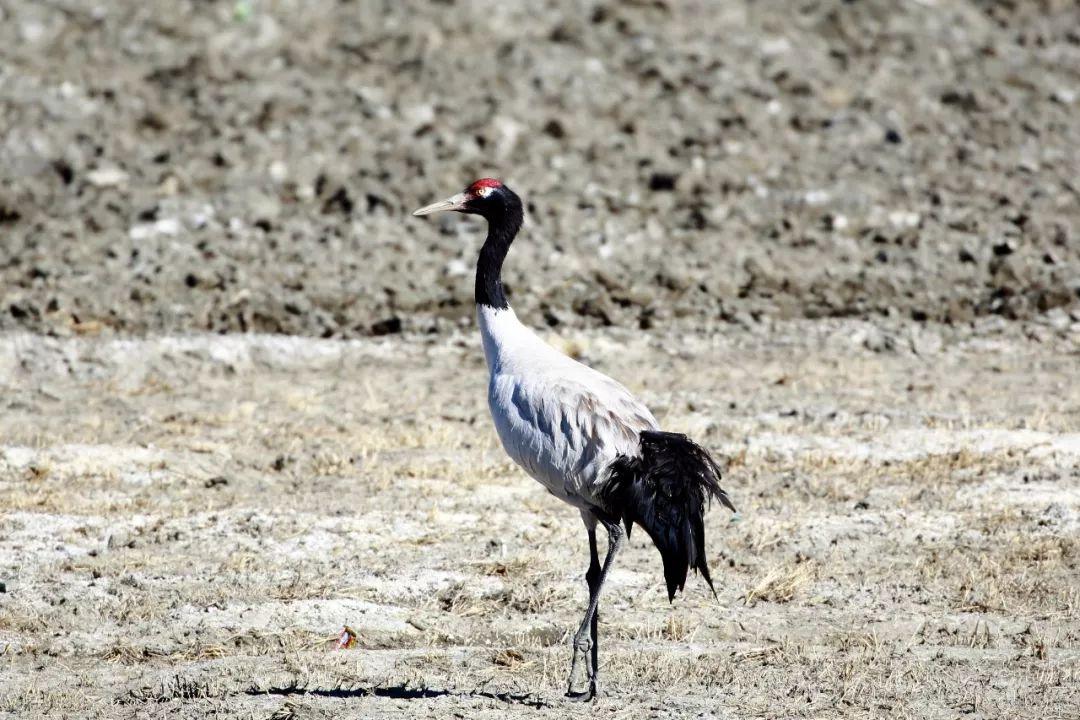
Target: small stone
(904,219)
(279,172)
(874,340)
(32,31)
(167,226)
(107,177)
(169,186)
(925,341)
(595,66)
(1065,96)
(457,268)
(775,46)
(662,182)
(388,326)
(164,226)
(554,128)
(420,115)
(1057,319)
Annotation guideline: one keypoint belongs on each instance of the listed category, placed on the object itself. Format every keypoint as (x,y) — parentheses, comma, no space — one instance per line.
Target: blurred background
(227,166)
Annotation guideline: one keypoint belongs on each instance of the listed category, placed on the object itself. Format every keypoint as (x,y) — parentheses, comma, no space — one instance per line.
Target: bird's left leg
(585,640)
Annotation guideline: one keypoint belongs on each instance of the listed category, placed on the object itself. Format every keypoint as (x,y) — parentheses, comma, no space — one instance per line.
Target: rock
(662,181)
(107,177)
(165,226)
(925,341)
(904,219)
(1004,249)
(874,339)
(387,326)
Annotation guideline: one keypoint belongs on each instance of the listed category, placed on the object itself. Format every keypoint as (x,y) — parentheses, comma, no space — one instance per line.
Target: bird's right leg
(588,648)
(583,643)
(592,577)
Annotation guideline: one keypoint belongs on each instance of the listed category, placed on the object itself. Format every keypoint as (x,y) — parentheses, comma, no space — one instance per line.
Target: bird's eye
(483,192)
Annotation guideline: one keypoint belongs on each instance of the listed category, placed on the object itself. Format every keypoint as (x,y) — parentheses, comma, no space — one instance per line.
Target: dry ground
(188,523)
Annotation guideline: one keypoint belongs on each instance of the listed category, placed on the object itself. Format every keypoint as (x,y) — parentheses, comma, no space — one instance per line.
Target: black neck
(503,224)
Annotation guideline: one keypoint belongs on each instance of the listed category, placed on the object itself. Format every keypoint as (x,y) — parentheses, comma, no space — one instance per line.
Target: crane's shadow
(401,692)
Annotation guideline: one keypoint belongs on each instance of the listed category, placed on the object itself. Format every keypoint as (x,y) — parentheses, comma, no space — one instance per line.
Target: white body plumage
(561,421)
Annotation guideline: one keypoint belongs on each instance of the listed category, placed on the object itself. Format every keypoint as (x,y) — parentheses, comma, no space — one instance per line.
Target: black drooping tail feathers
(665,491)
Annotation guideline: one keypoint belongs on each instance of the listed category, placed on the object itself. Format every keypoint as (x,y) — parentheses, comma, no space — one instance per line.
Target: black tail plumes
(665,491)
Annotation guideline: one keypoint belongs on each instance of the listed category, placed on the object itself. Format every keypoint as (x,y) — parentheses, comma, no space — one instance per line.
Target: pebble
(1066,96)
(420,115)
(925,341)
(775,46)
(107,177)
(32,32)
(279,171)
(163,226)
(904,219)
(457,268)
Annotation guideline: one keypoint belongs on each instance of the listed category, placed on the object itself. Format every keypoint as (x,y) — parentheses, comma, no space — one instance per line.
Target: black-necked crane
(582,435)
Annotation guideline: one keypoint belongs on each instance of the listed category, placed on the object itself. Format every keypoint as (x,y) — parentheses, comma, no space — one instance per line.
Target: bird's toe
(583,696)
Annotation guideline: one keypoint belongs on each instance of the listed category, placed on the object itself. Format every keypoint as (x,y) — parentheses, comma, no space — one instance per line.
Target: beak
(457,202)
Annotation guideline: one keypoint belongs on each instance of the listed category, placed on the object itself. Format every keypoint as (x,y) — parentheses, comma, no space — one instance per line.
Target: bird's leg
(583,643)
(592,575)
(589,648)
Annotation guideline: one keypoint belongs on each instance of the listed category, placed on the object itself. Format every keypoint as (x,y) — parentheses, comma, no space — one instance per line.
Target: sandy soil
(174,166)
(189,523)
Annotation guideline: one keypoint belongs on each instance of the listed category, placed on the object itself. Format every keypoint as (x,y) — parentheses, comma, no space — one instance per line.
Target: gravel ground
(189,523)
(221,166)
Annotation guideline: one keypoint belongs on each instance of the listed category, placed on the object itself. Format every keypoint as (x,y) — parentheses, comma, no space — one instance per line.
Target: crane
(584,436)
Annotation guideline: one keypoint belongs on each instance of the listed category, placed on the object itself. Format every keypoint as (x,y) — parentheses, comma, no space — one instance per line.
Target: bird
(583,435)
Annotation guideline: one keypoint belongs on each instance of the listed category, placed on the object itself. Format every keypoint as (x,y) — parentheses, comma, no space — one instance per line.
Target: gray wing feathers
(564,431)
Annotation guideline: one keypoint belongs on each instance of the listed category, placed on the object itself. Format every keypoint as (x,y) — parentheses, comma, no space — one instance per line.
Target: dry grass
(781,584)
(851,584)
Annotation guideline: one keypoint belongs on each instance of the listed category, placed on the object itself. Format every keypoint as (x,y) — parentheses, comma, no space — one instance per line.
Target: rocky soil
(222,166)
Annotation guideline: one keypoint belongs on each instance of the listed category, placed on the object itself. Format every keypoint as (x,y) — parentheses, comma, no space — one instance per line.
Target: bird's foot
(582,648)
(583,695)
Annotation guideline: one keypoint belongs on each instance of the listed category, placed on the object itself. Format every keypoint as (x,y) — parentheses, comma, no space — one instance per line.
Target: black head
(497,204)
(486,197)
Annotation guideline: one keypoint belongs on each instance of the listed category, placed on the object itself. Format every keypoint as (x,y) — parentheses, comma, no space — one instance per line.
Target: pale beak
(456,202)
